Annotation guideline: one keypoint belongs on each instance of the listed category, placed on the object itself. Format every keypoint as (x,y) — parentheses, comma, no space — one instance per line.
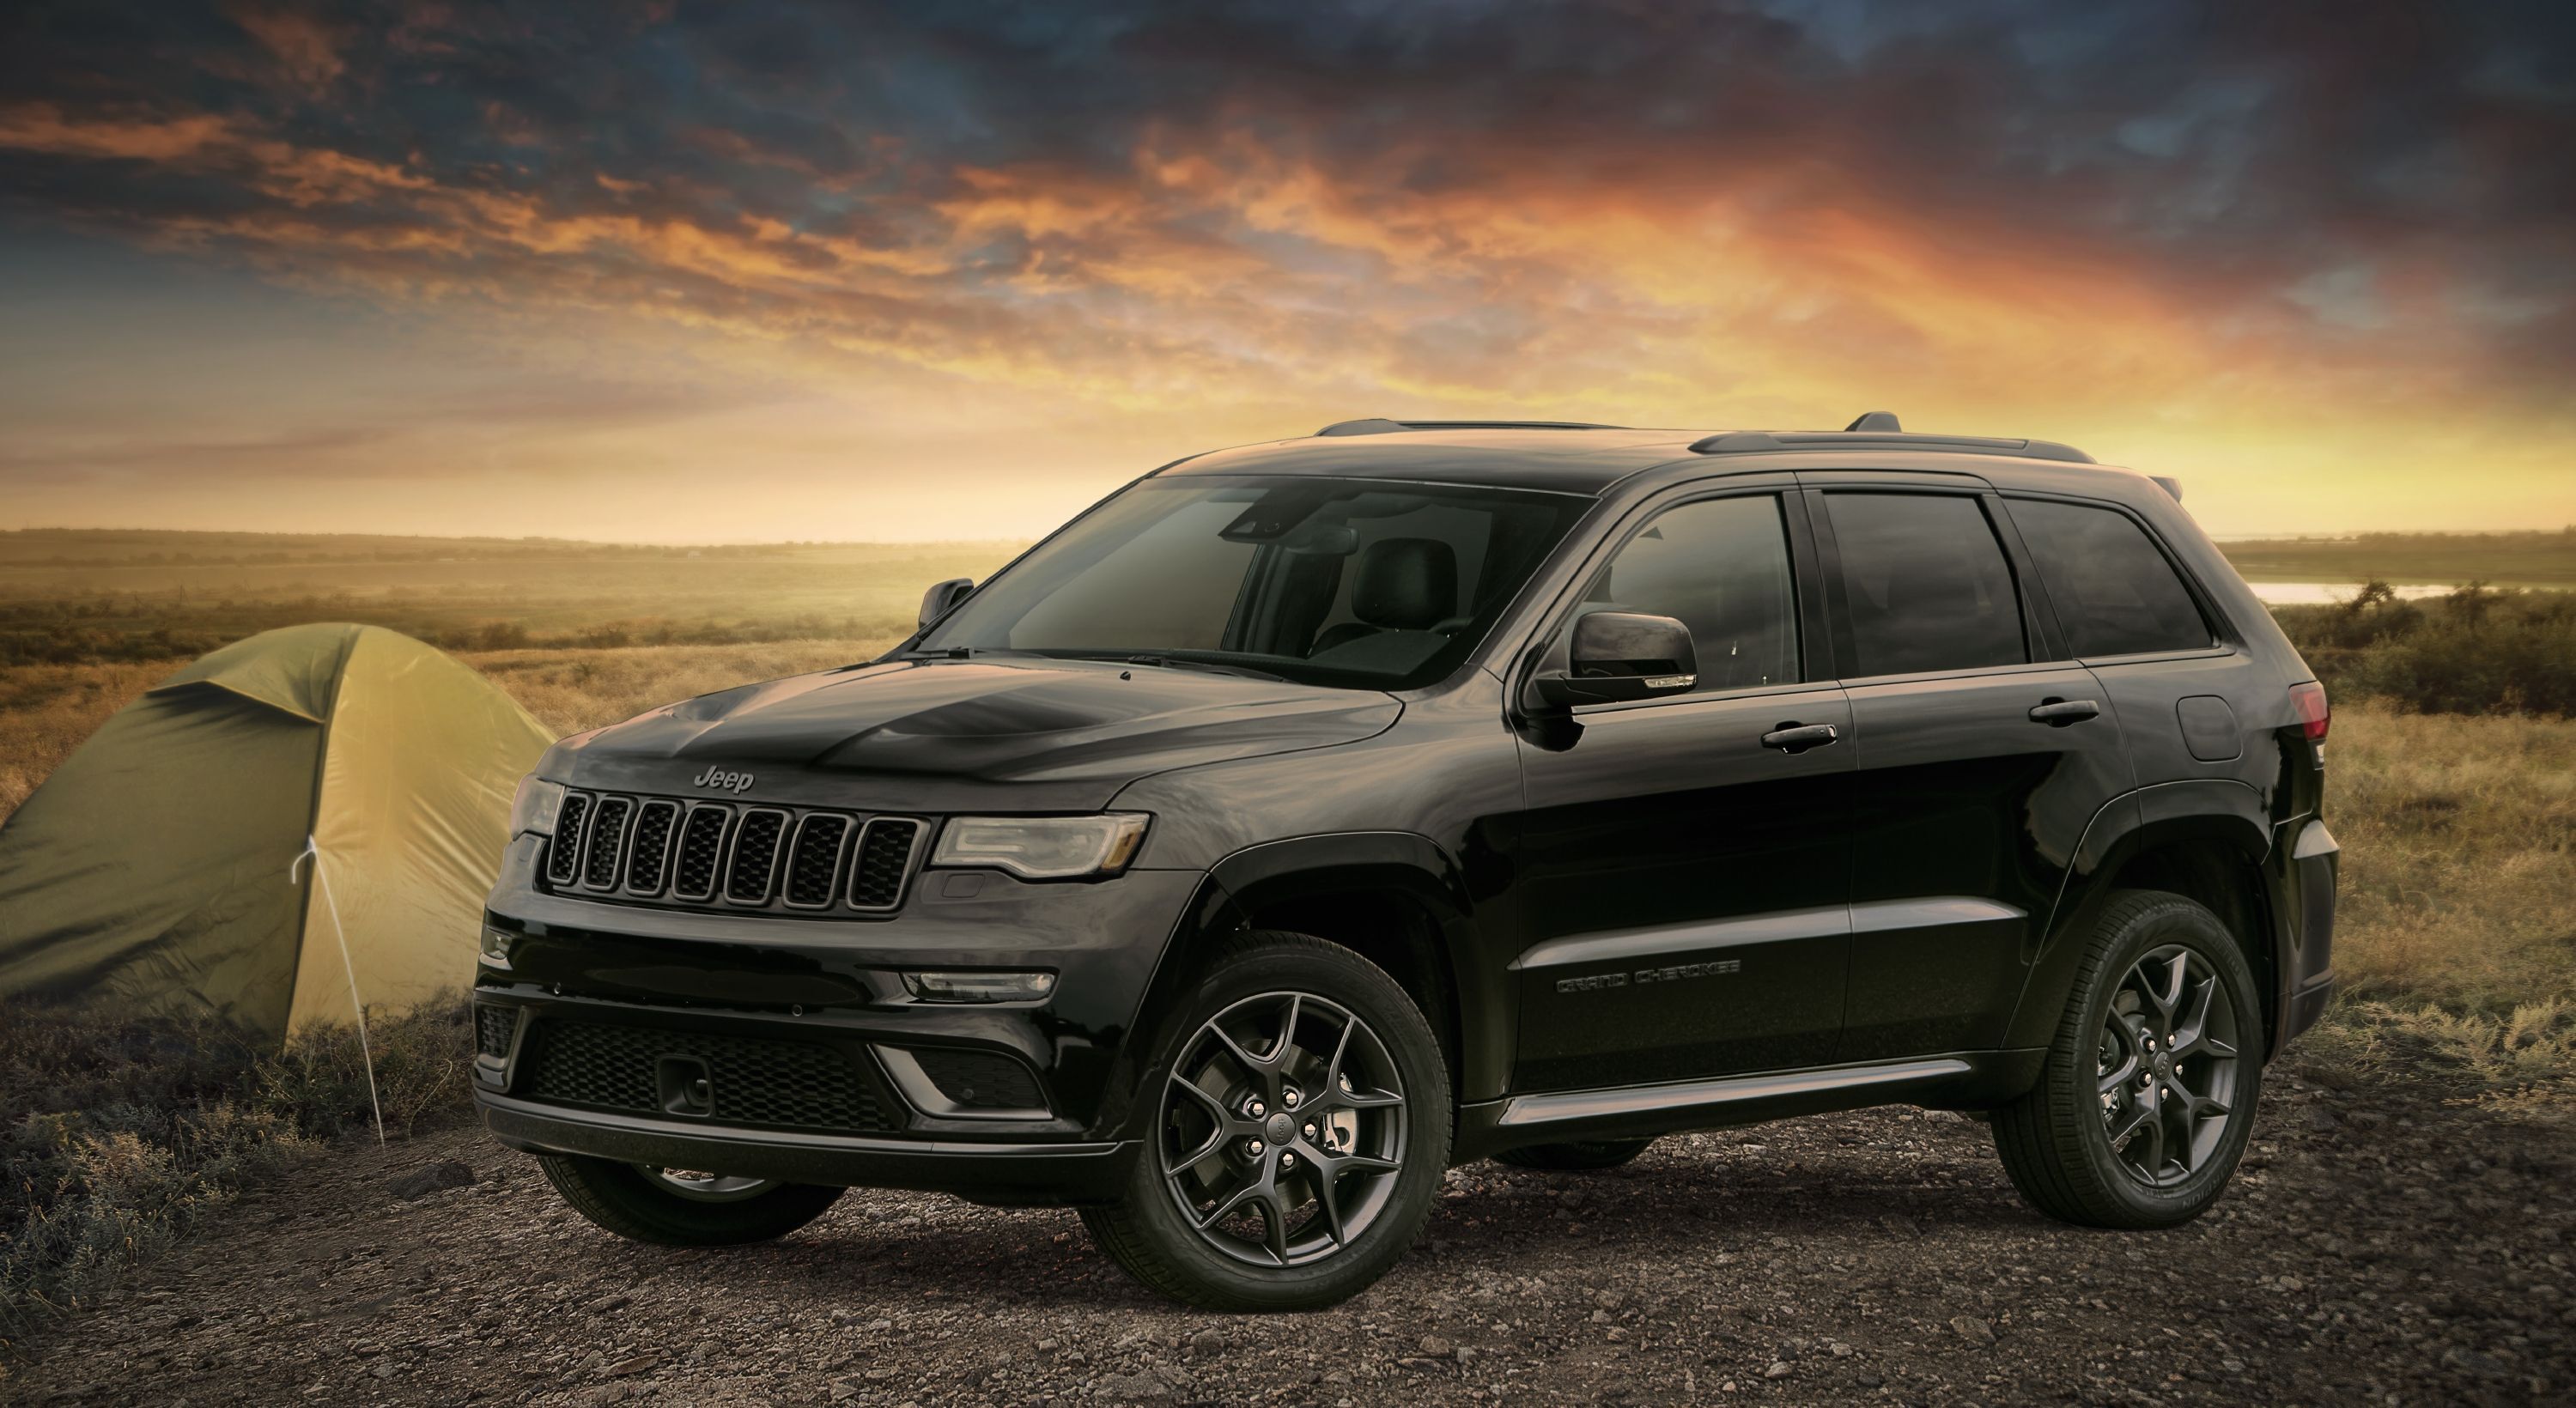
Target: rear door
(1982,753)
(2145,631)
(1682,882)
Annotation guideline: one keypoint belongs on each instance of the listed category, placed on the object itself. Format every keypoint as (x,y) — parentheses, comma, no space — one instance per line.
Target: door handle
(2058,713)
(1798,738)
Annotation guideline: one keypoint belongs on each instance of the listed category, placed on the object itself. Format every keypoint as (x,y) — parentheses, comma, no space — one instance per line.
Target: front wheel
(2146,1099)
(1300,1128)
(683,1207)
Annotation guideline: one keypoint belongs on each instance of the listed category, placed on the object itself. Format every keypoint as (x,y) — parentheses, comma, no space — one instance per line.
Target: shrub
(2474,651)
(117,1137)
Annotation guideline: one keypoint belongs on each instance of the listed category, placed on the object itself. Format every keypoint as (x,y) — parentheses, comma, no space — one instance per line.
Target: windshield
(1362,583)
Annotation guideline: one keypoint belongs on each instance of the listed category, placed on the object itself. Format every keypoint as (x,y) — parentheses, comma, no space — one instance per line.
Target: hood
(1023,734)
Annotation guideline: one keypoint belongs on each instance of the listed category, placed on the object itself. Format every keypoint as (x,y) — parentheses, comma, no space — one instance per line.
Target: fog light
(496,947)
(974,986)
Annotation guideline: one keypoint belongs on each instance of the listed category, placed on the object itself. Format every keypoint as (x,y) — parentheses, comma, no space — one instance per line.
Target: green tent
(156,872)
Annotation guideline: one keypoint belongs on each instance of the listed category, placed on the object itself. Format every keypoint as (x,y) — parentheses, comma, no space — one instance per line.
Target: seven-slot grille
(659,850)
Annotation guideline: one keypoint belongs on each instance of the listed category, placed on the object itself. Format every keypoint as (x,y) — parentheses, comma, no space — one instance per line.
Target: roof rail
(1379,425)
(1738,442)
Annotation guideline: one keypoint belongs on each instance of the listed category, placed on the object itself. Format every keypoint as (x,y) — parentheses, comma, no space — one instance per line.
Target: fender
(2222,811)
(1269,873)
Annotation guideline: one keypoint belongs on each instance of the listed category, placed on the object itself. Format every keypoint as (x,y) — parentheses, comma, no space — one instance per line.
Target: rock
(1207,1342)
(1133,1388)
(1780,1369)
(431,1178)
(606,1304)
(1434,1347)
(625,1368)
(1972,1329)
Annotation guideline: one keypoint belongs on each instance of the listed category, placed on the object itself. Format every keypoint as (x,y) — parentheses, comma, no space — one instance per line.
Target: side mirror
(1618,656)
(936,602)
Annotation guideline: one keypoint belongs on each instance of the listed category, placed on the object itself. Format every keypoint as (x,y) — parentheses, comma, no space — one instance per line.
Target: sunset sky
(754,271)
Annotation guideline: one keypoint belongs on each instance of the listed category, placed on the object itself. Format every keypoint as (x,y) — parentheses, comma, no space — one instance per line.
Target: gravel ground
(2378,1246)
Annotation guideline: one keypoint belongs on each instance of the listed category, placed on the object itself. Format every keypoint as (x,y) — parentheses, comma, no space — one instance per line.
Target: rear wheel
(1301,1127)
(683,1207)
(1577,1156)
(2146,1100)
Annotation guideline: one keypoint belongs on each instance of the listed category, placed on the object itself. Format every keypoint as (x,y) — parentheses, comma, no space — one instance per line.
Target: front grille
(701,846)
(563,854)
(755,1081)
(605,855)
(716,855)
(885,858)
(980,1080)
(650,861)
(493,1028)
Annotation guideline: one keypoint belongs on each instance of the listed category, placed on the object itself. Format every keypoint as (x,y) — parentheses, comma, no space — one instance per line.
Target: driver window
(1720,567)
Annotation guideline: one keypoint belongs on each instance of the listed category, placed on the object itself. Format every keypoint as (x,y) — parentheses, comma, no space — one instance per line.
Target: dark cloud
(832,168)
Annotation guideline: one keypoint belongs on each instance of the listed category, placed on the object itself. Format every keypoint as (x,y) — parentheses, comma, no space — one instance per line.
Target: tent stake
(366,1056)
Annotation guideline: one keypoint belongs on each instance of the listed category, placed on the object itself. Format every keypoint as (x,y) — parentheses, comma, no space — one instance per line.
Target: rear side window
(1925,584)
(2115,594)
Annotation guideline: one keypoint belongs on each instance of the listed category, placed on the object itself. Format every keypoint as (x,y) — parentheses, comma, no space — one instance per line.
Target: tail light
(2308,701)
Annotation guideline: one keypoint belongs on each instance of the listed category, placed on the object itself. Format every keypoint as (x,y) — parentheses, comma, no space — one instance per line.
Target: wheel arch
(2208,840)
(1395,898)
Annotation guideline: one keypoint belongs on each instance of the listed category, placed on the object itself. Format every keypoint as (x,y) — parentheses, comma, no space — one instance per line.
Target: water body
(2326,593)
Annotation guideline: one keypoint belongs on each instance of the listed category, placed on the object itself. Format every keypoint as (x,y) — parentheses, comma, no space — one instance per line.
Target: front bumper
(789,1048)
(1011,1174)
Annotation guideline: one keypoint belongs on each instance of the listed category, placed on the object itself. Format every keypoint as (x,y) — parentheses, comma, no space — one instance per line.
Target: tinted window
(1720,567)
(1925,584)
(1373,584)
(2115,594)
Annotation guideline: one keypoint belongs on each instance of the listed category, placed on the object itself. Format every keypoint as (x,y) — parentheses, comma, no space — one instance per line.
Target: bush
(117,1137)
(2474,651)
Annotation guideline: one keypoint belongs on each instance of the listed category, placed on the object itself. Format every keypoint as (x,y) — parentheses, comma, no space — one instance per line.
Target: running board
(1957,1080)
(1729,1090)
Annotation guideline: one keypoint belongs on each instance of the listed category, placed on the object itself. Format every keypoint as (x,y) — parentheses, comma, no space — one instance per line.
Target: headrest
(1406,584)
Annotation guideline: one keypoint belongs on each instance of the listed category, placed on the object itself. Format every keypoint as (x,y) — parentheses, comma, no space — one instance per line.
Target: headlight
(536,806)
(1042,847)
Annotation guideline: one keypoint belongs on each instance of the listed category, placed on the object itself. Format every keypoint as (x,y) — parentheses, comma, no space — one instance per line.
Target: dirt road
(2379,1247)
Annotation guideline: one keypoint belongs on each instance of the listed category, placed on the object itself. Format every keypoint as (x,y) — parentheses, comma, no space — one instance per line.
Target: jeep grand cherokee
(1307,818)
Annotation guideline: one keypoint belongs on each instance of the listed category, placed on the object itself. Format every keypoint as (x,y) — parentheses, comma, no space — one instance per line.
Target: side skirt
(1958,1080)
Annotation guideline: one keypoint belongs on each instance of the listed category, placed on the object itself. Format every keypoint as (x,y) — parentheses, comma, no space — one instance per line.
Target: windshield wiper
(1171,662)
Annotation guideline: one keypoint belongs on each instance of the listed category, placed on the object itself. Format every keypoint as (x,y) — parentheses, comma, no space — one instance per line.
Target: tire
(644,1205)
(2111,1138)
(1579,1156)
(1384,1134)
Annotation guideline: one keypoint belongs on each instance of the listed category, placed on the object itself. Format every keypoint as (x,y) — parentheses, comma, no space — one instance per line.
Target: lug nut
(1253,1109)
(1310,1129)
(1253,1147)
(1287,1160)
(1288,1097)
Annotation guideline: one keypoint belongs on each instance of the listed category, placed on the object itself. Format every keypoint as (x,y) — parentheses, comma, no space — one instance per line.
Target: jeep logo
(722,781)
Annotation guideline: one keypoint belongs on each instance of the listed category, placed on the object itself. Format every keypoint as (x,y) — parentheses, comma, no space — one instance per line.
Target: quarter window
(1720,567)
(1925,584)
(2115,594)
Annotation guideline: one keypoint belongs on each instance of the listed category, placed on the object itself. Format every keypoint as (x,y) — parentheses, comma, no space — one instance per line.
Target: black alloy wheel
(1293,1129)
(2167,1066)
(1282,1129)
(2146,1097)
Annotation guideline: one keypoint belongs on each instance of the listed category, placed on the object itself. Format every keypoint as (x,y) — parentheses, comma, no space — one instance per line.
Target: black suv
(1310,817)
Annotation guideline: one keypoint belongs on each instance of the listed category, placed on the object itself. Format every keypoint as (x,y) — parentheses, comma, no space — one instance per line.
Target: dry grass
(571,690)
(2459,844)
(46,711)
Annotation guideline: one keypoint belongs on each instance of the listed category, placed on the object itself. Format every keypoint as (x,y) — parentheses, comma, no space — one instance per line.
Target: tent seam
(313,818)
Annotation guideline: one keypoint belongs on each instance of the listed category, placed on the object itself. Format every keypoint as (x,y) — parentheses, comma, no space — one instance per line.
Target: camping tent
(151,873)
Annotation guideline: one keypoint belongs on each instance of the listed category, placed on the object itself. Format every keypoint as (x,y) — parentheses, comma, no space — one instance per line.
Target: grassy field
(2527,559)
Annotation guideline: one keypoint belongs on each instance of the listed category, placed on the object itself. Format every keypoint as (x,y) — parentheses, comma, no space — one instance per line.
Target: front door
(1983,753)
(1684,882)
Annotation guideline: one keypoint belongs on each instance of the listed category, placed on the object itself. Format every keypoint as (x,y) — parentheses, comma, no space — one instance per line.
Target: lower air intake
(784,1084)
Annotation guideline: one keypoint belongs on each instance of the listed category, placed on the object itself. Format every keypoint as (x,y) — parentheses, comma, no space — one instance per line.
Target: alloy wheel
(1282,1129)
(2167,1066)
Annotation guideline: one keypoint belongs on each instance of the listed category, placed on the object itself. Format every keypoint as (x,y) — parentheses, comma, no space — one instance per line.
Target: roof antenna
(1881,421)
